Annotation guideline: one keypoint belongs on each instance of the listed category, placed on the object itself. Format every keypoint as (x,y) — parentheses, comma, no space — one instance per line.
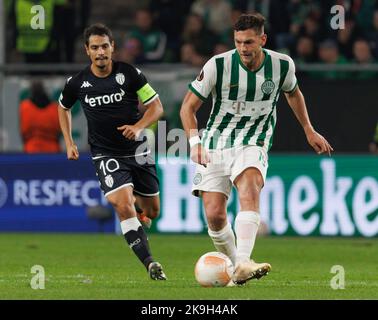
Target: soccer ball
(213,269)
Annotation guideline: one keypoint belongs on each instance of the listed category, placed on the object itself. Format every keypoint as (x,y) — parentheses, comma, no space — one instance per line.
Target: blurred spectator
(363,11)
(362,55)
(35,45)
(277,23)
(55,43)
(196,33)
(190,56)
(39,123)
(153,40)
(305,51)
(170,17)
(215,14)
(373,35)
(64,31)
(227,37)
(84,14)
(311,28)
(70,20)
(300,10)
(373,146)
(347,36)
(261,6)
(131,52)
(329,54)
(221,48)
(279,32)
(361,51)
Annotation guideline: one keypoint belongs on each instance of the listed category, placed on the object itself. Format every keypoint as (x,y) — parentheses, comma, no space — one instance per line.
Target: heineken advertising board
(304,195)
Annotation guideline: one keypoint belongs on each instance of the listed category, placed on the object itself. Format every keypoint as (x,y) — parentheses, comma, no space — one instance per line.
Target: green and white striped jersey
(244,101)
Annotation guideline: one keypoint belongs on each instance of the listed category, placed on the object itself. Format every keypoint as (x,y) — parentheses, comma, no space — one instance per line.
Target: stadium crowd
(299,28)
(191,31)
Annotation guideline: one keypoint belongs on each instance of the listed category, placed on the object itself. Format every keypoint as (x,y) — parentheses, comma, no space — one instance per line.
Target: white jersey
(244,101)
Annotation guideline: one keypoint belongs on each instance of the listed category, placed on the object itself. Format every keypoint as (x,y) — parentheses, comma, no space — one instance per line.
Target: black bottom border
(187,309)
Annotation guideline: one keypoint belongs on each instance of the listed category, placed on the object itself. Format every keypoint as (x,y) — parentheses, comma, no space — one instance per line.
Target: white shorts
(225,166)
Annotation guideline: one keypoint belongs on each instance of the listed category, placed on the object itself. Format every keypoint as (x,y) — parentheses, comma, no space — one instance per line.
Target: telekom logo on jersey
(105,99)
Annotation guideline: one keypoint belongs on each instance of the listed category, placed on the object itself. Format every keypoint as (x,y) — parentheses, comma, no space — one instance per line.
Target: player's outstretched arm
(151,115)
(189,107)
(297,103)
(65,121)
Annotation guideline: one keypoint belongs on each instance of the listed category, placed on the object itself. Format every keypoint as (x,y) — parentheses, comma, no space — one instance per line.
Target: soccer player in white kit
(245,84)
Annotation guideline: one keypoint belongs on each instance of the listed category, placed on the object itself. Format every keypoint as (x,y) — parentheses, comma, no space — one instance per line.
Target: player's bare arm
(65,121)
(189,107)
(317,141)
(152,114)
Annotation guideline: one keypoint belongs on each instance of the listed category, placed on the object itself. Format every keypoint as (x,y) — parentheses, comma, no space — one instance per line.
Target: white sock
(246,226)
(224,241)
(130,224)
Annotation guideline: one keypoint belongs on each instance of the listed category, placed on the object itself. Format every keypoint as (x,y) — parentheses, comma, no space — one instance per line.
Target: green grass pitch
(99,266)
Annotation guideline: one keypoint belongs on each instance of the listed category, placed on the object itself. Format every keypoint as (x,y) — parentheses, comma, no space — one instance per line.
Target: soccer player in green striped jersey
(245,84)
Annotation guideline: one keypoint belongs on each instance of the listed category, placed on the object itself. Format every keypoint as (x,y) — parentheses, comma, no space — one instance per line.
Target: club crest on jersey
(197,178)
(109,181)
(268,86)
(120,78)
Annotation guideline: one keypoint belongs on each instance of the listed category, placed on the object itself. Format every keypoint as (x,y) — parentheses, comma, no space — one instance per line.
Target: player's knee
(214,209)
(123,208)
(250,194)
(249,201)
(216,216)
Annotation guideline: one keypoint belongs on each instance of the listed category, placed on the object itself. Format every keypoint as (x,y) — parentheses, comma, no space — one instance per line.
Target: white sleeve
(290,82)
(206,80)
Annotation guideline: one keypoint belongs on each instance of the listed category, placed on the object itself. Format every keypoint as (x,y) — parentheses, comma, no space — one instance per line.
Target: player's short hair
(253,21)
(97,29)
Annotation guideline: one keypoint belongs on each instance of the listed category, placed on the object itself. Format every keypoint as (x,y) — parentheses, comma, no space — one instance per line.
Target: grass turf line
(97,266)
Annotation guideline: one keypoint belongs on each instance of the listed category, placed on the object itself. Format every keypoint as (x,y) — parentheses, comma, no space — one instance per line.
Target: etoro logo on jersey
(105,99)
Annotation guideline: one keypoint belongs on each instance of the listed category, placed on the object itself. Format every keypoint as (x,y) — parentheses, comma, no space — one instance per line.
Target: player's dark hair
(97,29)
(253,21)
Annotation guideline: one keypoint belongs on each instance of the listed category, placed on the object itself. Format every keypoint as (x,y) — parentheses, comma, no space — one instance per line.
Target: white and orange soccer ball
(213,269)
